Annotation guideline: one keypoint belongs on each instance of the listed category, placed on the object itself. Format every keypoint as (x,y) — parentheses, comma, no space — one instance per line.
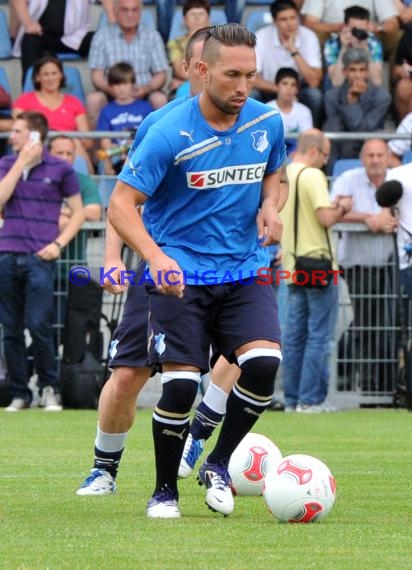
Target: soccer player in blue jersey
(128,351)
(209,175)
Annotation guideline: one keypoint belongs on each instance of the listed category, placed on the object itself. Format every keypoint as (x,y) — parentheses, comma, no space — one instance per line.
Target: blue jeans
(310,323)
(26,301)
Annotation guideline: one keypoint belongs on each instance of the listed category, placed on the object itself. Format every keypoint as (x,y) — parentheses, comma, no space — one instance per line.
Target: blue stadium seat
(4,82)
(343,164)
(74,84)
(407,157)
(5,44)
(258,18)
(80,164)
(69,56)
(217,17)
(147,20)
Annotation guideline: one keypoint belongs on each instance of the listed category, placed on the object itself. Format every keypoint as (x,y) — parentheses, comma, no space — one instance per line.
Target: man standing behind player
(214,221)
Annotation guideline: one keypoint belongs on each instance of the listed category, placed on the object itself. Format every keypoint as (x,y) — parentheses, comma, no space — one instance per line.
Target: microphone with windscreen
(388,194)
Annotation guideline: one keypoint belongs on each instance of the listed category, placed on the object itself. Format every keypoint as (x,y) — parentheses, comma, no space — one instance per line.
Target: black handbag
(311,272)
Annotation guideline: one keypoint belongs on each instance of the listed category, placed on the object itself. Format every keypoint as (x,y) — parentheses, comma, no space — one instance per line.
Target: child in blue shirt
(123,113)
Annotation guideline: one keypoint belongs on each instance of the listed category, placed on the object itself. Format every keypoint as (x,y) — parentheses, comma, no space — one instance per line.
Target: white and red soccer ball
(255,455)
(300,488)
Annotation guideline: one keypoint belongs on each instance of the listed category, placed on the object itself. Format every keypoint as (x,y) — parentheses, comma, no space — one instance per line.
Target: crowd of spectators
(352,60)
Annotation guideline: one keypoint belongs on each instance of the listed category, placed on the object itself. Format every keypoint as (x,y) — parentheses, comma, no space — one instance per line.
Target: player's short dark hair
(228,35)
(356,12)
(121,72)
(280,6)
(286,72)
(190,4)
(199,35)
(39,63)
(35,122)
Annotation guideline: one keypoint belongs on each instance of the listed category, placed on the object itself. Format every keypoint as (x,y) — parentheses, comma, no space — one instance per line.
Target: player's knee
(179,391)
(259,368)
(128,381)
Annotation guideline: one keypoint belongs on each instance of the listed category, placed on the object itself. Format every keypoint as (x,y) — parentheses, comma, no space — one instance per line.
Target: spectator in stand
(355,34)
(402,76)
(195,16)
(286,43)
(166,8)
(404,233)
(64,112)
(128,40)
(33,185)
(404,8)
(398,147)
(325,17)
(57,27)
(365,258)
(64,147)
(124,113)
(296,117)
(356,106)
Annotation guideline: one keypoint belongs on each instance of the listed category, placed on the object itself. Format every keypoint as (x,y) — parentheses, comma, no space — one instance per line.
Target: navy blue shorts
(129,341)
(226,316)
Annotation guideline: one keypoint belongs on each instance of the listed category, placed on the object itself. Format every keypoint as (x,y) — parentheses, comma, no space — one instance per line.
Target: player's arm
(127,222)
(284,186)
(113,259)
(268,222)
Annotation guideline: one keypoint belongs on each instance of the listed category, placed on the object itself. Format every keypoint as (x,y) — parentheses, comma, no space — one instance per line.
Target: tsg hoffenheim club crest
(260,140)
(160,345)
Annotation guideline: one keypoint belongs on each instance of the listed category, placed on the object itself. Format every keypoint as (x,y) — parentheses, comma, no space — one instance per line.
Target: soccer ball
(300,488)
(249,463)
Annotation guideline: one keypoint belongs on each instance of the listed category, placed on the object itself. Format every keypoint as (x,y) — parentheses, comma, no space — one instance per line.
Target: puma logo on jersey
(188,135)
(175,433)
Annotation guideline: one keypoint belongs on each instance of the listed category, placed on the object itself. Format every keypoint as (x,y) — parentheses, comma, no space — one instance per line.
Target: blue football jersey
(204,187)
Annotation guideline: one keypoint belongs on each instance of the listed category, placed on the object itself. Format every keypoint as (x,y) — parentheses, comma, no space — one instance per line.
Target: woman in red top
(63,111)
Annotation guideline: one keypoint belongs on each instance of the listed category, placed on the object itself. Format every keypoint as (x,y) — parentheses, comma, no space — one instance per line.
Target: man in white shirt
(365,257)
(404,175)
(286,43)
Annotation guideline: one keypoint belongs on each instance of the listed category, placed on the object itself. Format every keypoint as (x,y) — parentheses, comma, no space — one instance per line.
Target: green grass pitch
(45,526)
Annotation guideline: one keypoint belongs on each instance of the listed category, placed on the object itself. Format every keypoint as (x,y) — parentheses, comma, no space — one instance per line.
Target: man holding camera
(355,33)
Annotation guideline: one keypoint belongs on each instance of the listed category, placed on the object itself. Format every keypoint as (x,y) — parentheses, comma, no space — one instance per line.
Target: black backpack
(82,370)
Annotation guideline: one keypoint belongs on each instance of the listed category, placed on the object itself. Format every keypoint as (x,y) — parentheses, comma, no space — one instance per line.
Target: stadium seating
(80,164)
(4,82)
(343,164)
(217,16)
(74,84)
(5,44)
(407,157)
(257,19)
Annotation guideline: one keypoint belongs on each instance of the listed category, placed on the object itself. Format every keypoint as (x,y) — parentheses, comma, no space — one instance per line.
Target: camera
(359,34)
